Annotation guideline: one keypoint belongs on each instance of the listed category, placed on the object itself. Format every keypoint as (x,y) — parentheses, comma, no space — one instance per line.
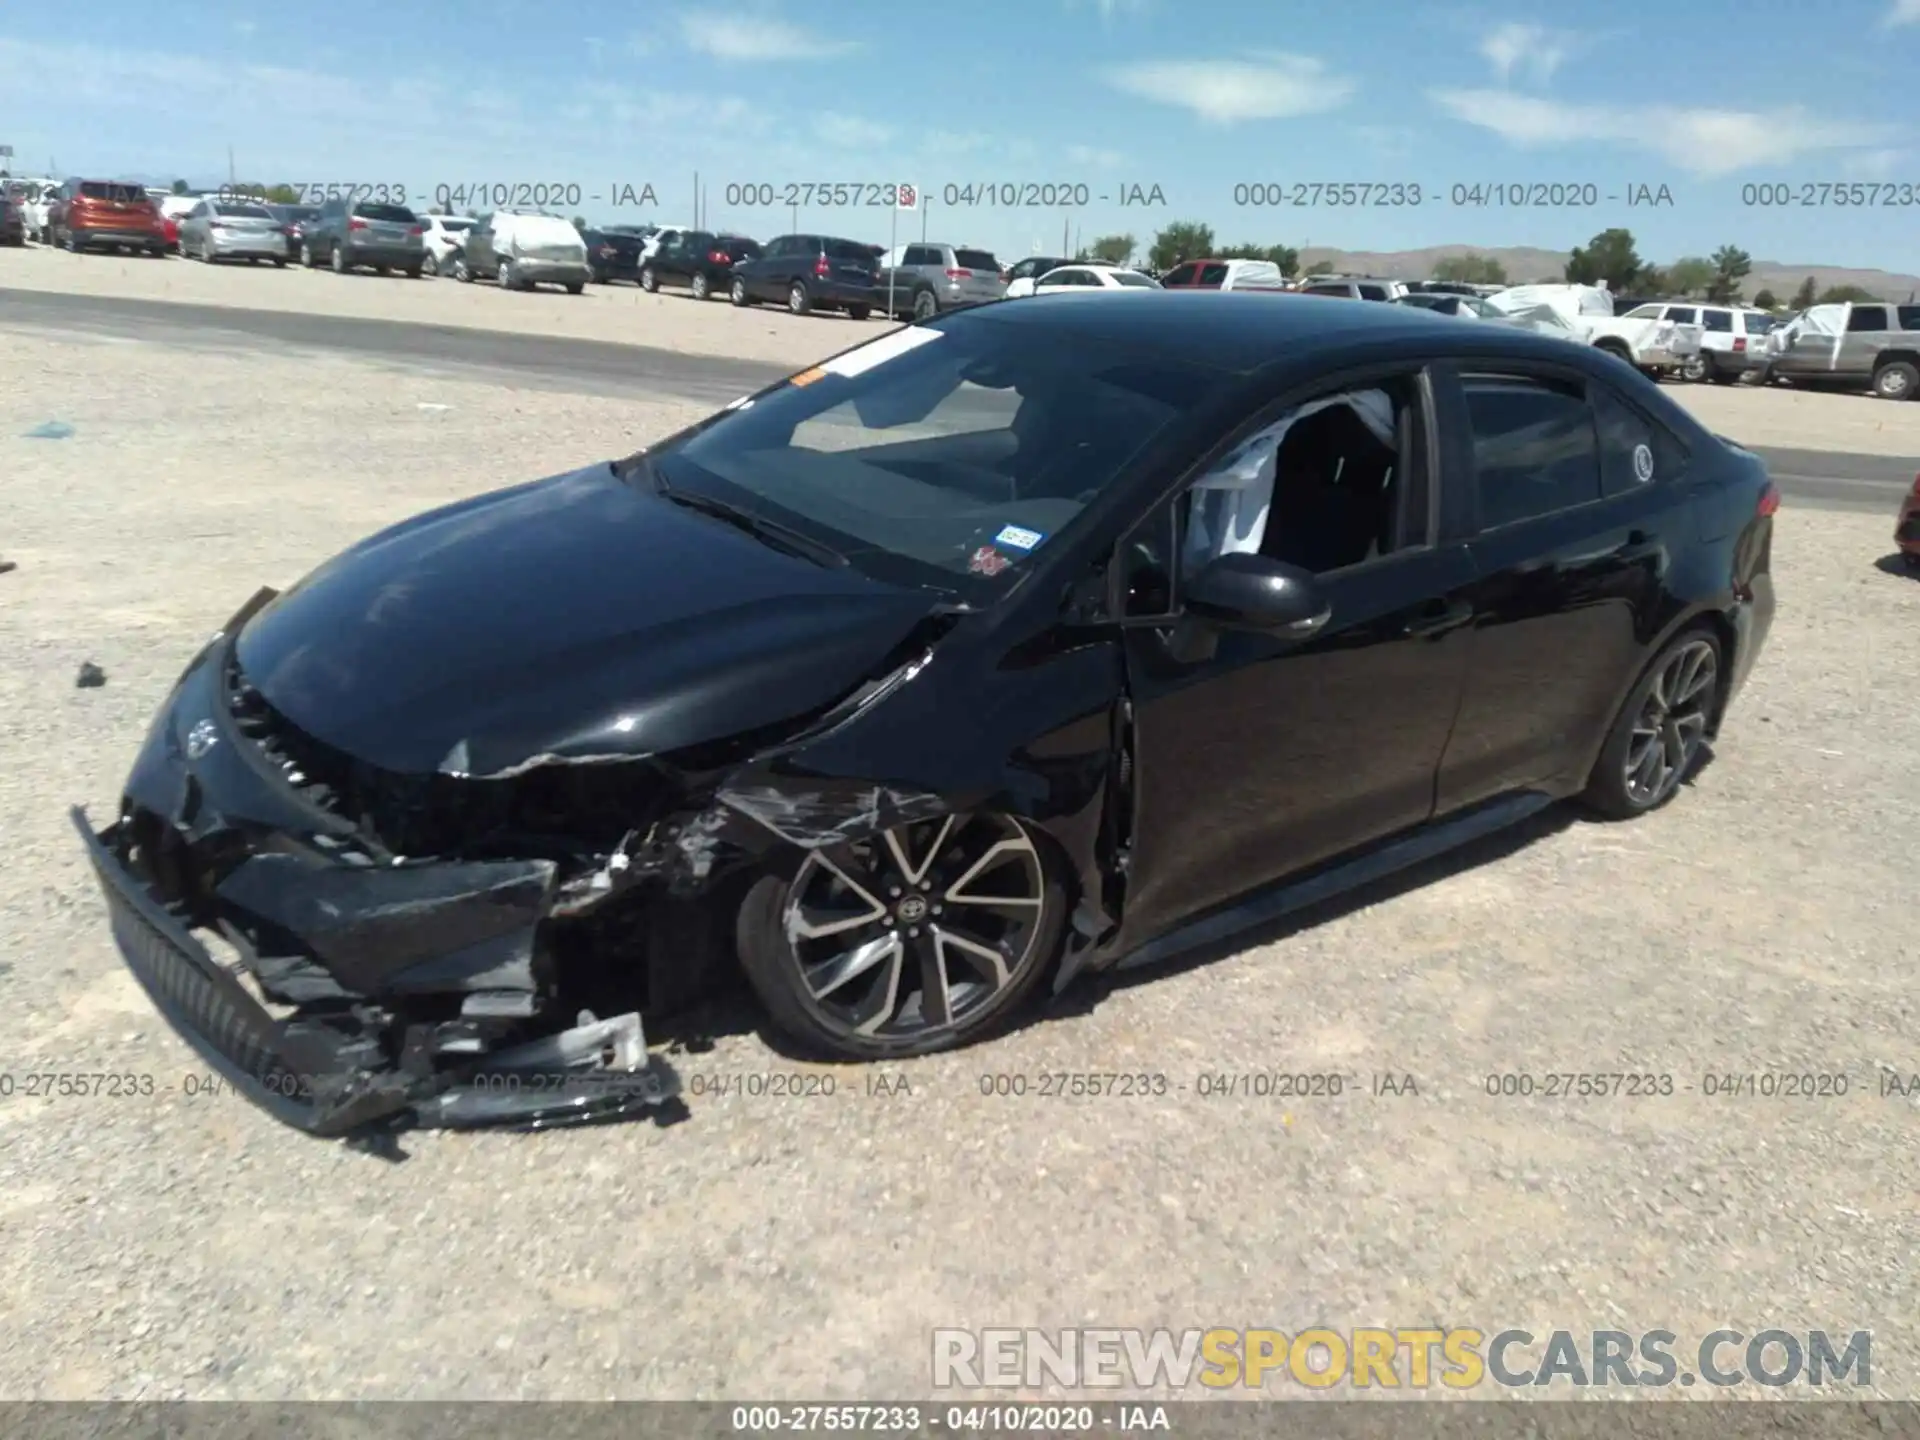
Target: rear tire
(702,287)
(649,281)
(926,305)
(430,265)
(859,312)
(577,287)
(414,271)
(798,300)
(1655,741)
(738,293)
(279,262)
(339,258)
(310,257)
(1896,380)
(460,271)
(504,276)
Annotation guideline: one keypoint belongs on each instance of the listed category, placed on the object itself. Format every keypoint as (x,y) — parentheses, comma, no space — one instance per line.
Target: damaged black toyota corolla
(1024,642)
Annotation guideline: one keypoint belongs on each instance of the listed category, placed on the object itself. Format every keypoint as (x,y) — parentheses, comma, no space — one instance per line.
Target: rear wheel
(702,287)
(1655,740)
(310,257)
(460,270)
(279,262)
(798,301)
(414,271)
(649,281)
(859,312)
(339,258)
(576,287)
(430,265)
(738,294)
(505,277)
(926,305)
(1896,380)
(919,939)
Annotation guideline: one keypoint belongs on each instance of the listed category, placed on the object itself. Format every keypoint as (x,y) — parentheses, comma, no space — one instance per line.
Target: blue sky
(1192,96)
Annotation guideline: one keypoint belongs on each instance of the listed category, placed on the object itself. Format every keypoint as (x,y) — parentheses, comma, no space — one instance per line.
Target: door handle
(1440,617)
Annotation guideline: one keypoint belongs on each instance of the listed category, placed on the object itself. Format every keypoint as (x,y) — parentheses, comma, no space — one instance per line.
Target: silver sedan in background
(232,230)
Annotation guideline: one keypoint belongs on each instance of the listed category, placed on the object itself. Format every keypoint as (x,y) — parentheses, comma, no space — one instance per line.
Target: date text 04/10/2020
(454,195)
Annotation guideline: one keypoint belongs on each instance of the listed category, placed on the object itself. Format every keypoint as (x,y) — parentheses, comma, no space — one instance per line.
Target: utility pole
(232,179)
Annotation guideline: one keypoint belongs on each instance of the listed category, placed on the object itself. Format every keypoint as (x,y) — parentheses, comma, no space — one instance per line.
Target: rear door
(1869,331)
(1576,502)
(480,252)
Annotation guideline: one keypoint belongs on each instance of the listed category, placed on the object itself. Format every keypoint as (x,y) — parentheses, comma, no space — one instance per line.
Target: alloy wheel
(1694,368)
(739,292)
(925,306)
(699,285)
(1673,718)
(918,930)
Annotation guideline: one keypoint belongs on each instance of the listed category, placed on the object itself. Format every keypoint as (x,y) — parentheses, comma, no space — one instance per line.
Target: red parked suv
(86,213)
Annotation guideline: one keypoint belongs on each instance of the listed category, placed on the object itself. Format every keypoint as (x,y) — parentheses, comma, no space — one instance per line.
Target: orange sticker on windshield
(807,377)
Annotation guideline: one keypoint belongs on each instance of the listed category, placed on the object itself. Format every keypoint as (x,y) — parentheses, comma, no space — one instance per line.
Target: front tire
(339,259)
(430,265)
(859,312)
(923,938)
(738,294)
(505,277)
(649,281)
(460,271)
(1655,741)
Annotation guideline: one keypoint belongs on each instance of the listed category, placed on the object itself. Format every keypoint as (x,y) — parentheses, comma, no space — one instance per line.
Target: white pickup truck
(1654,345)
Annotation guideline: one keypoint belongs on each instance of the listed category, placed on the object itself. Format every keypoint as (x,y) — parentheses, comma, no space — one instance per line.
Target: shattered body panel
(432,885)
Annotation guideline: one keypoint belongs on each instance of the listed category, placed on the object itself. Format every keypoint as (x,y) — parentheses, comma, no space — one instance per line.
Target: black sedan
(700,262)
(613,255)
(1029,642)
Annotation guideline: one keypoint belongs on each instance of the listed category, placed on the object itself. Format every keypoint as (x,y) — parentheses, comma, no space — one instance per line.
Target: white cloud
(1874,164)
(1701,142)
(850,132)
(1902,12)
(1094,156)
(751,38)
(1270,86)
(245,27)
(1112,9)
(1532,51)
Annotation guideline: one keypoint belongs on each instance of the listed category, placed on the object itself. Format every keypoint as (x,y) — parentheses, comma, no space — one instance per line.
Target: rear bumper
(363,995)
(271,244)
(550,272)
(839,292)
(117,235)
(403,257)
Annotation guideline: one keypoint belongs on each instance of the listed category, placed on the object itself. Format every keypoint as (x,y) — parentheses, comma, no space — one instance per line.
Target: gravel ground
(624,313)
(167,1246)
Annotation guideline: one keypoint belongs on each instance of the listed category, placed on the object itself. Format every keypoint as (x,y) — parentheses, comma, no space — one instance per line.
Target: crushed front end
(359,951)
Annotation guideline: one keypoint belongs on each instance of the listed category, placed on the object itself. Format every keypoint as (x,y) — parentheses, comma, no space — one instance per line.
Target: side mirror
(1252,592)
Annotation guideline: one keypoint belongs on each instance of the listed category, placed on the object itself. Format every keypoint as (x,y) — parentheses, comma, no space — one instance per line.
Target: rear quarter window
(976,260)
(1625,432)
(1718,322)
(848,250)
(1910,317)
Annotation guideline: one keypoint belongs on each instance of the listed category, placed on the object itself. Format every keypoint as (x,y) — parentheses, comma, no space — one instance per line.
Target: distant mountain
(1524,263)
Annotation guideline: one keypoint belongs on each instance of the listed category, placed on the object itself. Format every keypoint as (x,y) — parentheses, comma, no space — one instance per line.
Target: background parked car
(89,214)
(1355,287)
(1067,279)
(13,225)
(351,233)
(1020,275)
(35,198)
(1733,340)
(923,280)
(233,230)
(1870,346)
(811,272)
(613,254)
(524,248)
(1466,307)
(697,261)
(294,221)
(441,234)
(1224,275)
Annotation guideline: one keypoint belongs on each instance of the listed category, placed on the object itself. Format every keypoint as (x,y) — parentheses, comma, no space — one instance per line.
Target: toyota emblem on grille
(201,738)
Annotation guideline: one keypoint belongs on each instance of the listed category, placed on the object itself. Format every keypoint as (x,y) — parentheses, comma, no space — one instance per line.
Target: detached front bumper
(363,992)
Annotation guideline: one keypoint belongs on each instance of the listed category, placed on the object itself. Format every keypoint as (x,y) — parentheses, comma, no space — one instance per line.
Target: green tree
(1841,294)
(1688,276)
(1608,256)
(1323,266)
(1653,280)
(1804,296)
(1731,266)
(282,195)
(1766,300)
(1182,240)
(1471,270)
(579,222)
(1113,249)
(180,187)
(1284,257)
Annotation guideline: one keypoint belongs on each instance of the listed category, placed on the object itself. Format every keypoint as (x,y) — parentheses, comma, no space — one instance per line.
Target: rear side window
(1535,451)
(1683,315)
(1759,323)
(743,249)
(1719,322)
(976,260)
(1373,292)
(1213,275)
(1867,317)
(1910,317)
(389,214)
(848,250)
(1339,291)
(920,255)
(1181,275)
(1635,450)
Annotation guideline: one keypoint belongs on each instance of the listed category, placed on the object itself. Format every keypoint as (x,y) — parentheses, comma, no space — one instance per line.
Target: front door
(1256,755)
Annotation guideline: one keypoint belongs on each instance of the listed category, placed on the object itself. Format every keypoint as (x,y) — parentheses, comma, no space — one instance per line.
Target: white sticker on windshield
(1018,537)
(1642,463)
(887,347)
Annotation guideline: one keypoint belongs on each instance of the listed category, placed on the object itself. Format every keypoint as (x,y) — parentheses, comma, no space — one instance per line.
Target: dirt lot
(624,313)
(171,1247)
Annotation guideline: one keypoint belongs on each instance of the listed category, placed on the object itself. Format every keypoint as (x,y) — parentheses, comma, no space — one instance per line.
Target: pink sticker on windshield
(988,561)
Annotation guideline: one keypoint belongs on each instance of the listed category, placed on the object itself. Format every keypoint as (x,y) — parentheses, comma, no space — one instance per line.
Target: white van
(523,248)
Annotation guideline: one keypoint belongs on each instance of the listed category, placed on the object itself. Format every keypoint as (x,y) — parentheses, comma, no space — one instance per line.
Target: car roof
(1246,332)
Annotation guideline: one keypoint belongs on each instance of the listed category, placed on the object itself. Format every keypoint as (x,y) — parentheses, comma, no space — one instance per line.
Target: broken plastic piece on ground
(50,430)
(430,405)
(91,676)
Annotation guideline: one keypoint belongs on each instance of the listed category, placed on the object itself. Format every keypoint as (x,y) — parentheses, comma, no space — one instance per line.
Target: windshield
(1133,278)
(942,456)
(117,194)
(391,214)
(244,212)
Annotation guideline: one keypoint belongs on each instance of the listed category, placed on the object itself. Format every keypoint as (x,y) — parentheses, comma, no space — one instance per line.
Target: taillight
(1915,492)
(1770,499)
(959,274)
(719,257)
(417,230)
(821,269)
(1739,343)
(356,224)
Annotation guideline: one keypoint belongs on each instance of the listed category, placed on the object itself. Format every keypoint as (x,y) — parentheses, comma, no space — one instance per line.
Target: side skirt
(1271,904)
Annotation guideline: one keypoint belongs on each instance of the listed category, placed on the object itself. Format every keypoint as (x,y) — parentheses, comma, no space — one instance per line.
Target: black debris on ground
(91,677)
(6,565)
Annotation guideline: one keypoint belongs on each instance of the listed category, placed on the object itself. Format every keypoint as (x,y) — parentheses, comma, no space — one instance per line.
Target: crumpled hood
(574,617)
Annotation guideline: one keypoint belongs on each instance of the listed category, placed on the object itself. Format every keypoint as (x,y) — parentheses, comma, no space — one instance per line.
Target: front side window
(1718,322)
(1211,275)
(1181,275)
(945,455)
(1534,447)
